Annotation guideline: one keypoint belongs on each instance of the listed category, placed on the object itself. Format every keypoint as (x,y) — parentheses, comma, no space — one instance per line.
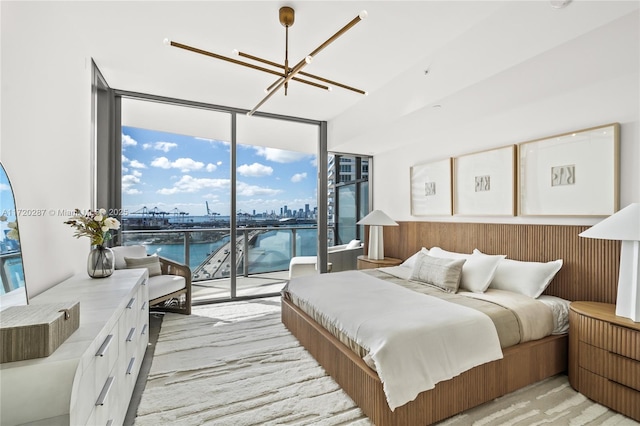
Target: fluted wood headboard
(589,272)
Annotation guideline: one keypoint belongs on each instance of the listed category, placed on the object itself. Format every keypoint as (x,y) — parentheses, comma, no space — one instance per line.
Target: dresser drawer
(107,407)
(106,357)
(611,394)
(612,366)
(625,342)
(594,332)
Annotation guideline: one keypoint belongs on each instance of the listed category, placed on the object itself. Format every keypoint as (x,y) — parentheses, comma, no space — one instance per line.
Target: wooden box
(36,331)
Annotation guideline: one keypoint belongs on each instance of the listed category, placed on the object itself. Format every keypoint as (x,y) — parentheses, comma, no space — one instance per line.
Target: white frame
(484,183)
(438,174)
(592,155)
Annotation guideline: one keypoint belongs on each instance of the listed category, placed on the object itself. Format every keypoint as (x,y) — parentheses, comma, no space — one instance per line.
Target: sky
(177,173)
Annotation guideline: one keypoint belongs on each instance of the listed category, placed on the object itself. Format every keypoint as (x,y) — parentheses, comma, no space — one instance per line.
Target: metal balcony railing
(208,250)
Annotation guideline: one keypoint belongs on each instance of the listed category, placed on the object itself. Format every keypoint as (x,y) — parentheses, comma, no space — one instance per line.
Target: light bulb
(308,59)
(235,52)
(363,14)
(329,88)
(166,41)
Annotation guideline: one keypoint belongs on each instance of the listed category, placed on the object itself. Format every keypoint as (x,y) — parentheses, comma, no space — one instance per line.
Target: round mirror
(13,290)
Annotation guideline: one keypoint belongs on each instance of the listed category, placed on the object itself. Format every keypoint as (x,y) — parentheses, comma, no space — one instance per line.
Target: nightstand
(604,356)
(365,263)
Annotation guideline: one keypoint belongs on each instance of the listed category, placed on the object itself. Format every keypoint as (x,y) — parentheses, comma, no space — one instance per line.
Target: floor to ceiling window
(348,196)
(234,197)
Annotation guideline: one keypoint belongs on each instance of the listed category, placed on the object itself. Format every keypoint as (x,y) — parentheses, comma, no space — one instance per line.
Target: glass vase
(101,262)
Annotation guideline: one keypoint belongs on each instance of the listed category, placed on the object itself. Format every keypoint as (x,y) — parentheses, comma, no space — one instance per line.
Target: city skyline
(183,174)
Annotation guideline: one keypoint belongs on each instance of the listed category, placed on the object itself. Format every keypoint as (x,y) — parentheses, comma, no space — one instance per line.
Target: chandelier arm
(224,58)
(331,39)
(282,82)
(303,73)
(334,83)
(305,61)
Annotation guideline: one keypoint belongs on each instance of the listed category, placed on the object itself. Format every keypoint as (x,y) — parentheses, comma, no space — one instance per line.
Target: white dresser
(89,379)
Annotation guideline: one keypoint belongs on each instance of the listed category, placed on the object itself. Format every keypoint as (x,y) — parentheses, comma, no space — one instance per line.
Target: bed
(582,277)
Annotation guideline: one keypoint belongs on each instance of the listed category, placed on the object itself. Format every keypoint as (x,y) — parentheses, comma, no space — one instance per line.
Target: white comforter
(415,340)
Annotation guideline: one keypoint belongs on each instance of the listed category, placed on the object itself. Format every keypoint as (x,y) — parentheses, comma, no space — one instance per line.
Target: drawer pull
(105,346)
(110,422)
(144,282)
(131,302)
(131,334)
(131,363)
(144,306)
(144,330)
(105,391)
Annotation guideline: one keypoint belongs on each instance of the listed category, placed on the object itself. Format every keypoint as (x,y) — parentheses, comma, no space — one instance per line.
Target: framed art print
(484,183)
(574,174)
(431,189)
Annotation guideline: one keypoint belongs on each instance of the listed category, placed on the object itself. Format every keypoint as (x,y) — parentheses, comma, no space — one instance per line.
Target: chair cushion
(162,285)
(121,252)
(152,263)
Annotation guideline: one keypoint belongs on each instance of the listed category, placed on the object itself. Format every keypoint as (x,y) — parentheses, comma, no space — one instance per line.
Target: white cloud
(162,162)
(137,165)
(279,155)
(255,170)
(298,177)
(128,182)
(160,146)
(211,167)
(246,190)
(184,164)
(219,163)
(190,184)
(128,141)
(187,164)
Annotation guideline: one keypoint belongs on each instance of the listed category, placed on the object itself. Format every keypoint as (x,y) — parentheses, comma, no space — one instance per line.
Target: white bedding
(414,339)
(559,307)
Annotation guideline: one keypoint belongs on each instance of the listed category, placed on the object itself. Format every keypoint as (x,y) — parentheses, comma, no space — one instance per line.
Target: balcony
(262,256)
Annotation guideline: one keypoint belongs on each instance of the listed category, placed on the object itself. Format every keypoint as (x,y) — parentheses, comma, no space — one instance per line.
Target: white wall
(606,102)
(45,138)
(588,82)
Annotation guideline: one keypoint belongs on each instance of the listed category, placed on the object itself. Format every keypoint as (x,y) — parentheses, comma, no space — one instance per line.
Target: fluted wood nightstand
(365,263)
(604,356)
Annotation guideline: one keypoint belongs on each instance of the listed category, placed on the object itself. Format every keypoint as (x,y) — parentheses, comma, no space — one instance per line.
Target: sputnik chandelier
(284,72)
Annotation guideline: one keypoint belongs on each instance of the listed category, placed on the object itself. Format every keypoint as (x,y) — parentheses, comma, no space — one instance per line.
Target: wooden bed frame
(589,273)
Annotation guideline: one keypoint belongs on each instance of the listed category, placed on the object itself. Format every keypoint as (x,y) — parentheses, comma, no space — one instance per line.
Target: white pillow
(353,244)
(478,270)
(411,261)
(438,252)
(528,278)
(439,272)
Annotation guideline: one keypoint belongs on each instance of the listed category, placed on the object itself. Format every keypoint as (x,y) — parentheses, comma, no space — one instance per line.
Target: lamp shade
(377,218)
(623,226)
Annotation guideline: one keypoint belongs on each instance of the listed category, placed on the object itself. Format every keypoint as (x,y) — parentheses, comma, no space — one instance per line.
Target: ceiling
(411,57)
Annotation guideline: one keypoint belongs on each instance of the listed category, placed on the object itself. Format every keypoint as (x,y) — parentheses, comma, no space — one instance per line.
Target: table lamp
(376,220)
(624,226)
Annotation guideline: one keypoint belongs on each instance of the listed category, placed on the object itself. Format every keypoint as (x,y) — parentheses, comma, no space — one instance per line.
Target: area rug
(236,364)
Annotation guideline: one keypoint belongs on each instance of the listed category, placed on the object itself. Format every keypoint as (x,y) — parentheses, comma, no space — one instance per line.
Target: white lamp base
(628,303)
(376,242)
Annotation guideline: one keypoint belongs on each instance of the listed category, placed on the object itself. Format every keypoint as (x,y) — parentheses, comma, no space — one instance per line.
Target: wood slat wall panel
(589,271)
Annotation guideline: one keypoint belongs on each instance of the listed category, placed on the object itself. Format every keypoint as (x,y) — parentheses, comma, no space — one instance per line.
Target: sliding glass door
(232,196)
